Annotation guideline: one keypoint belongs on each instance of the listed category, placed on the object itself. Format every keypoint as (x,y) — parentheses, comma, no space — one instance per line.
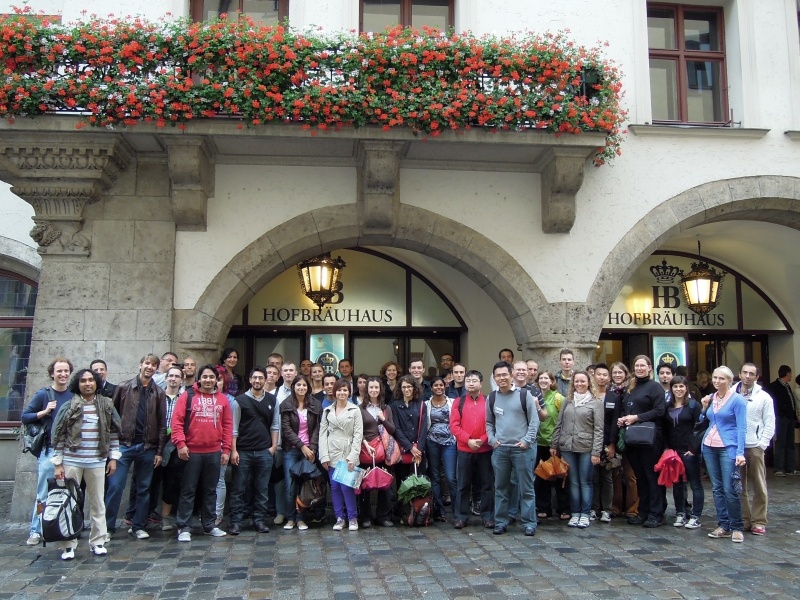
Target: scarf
(581,399)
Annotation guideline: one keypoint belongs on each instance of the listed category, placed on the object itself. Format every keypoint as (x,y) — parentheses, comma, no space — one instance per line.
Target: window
(687,64)
(268,12)
(377,15)
(17,303)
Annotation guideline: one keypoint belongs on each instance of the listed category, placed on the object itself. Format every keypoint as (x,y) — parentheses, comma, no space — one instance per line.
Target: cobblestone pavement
(603,561)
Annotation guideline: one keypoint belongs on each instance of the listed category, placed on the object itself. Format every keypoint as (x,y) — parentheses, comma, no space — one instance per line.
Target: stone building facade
(152,239)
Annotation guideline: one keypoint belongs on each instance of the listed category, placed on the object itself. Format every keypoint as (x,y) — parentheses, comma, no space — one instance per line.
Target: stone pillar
(378,185)
(105,229)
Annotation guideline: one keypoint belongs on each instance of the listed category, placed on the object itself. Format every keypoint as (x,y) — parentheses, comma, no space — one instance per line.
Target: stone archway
(204,328)
(767,198)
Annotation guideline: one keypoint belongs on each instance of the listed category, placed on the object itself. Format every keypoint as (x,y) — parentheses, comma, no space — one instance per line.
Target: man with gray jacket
(760,428)
(511,426)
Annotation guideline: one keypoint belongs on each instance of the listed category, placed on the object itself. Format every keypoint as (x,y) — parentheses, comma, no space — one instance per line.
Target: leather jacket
(69,421)
(126,401)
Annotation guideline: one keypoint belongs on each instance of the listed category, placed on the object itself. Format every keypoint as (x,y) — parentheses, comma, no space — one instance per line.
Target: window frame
(196,9)
(406,13)
(681,56)
(16,322)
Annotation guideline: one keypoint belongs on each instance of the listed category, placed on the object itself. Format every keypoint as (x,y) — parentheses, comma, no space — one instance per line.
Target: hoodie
(210,426)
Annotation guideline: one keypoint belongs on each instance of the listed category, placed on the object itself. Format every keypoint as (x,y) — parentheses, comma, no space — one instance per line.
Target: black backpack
(34,435)
(62,517)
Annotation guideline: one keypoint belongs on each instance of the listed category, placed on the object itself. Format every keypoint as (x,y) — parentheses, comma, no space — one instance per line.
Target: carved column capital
(58,177)
(192,178)
(378,185)
(561,170)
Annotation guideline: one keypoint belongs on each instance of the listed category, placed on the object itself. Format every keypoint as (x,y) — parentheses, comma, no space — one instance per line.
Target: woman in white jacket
(341,432)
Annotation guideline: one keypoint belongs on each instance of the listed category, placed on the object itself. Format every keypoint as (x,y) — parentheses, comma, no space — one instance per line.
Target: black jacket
(784,400)
(679,436)
(409,427)
(646,400)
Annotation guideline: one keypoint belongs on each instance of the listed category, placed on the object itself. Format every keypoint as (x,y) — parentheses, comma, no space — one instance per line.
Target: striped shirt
(85,455)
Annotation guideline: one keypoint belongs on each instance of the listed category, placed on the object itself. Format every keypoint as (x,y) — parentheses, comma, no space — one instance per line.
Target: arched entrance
(749,225)
(203,329)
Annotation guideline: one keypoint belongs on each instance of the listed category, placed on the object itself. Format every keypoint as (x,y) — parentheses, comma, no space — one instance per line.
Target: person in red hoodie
(202,430)
(474,463)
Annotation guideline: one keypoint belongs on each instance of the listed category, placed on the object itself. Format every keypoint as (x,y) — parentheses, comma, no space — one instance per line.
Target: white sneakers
(34,539)
(99,550)
(353,525)
(583,522)
(339,524)
(692,523)
(605,517)
(184,536)
(301,525)
(68,554)
(216,532)
(289,525)
(573,522)
(680,521)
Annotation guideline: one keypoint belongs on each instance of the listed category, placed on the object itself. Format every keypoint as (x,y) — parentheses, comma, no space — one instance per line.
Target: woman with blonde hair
(578,437)
(723,452)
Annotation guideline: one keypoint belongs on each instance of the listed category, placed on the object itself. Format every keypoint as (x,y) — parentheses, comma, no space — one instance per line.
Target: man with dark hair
(257,421)
(506,355)
(564,376)
(142,407)
(785,420)
(42,410)
(512,423)
(665,375)
(189,372)
(455,388)
(760,428)
(202,431)
(99,366)
(346,372)
(474,461)
(167,360)
(416,368)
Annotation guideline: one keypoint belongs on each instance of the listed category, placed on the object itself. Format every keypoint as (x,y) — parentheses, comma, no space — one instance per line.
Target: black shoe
(447,501)
(459,524)
(530,531)
(476,509)
(366,524)
(650,523)
(387,523)
(511,521)
(260,527)
(637,520)
(488,524)
(499,530)
(441,519)
(234,529)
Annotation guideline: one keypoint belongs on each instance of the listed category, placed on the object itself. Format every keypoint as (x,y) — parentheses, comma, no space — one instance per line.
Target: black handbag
(641,434)
(33,437)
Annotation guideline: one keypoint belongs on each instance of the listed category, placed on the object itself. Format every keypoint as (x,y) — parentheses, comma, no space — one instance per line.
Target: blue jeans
(45,471)
(255,466)
(581,482)
(142,462)
(720,467)
(442,459)
(512,463)
(290,457)
(680,488)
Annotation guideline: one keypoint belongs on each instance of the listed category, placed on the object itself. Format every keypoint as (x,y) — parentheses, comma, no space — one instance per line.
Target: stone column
(106,233)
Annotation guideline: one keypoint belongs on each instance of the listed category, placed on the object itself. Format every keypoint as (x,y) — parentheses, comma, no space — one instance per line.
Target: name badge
(610,405)
(498,411)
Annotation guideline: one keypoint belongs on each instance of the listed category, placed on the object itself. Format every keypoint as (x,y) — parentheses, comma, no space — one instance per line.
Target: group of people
(175,428)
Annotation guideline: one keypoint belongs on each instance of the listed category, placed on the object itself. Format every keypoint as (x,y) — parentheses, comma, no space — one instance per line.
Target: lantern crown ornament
(319,278)
(702,286)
